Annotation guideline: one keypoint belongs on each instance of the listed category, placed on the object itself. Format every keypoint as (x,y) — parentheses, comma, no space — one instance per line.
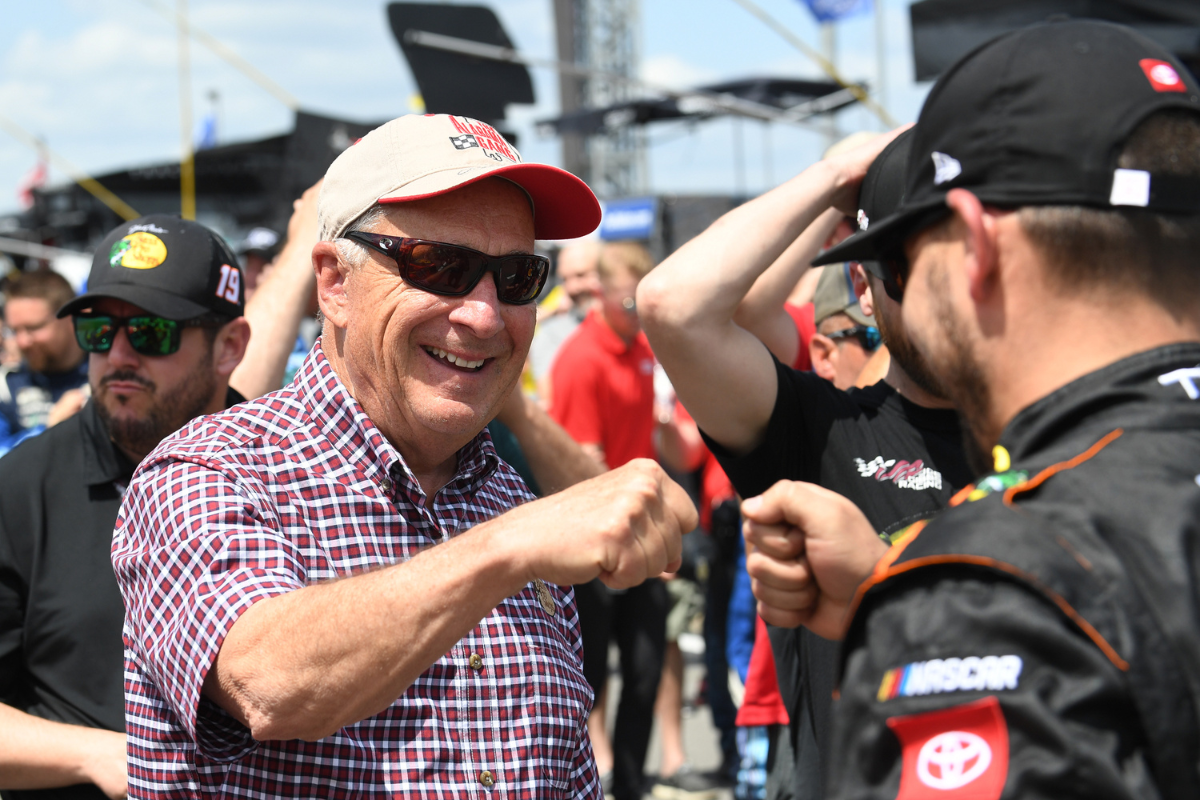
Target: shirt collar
(102,462)
(1109,397)
(340,418)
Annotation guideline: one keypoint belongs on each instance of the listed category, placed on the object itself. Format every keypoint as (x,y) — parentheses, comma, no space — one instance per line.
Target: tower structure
(602,36)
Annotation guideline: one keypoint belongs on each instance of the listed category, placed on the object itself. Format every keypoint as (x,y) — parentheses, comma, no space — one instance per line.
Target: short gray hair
(352,252)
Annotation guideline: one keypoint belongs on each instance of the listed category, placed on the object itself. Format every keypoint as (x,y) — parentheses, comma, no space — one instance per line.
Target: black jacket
(61,654)
(1051,613)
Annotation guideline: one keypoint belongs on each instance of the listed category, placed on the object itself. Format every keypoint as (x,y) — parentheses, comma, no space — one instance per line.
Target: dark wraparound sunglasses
(868,336)
(453,271)
(893,272)
(148,334)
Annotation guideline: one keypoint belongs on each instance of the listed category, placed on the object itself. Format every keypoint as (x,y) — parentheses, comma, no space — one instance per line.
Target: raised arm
(762,311)
(280,304)
(556,459)
(687,304)
(302,661)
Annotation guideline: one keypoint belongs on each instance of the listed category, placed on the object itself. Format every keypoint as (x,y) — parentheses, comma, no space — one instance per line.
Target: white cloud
(671,71)
(98,77)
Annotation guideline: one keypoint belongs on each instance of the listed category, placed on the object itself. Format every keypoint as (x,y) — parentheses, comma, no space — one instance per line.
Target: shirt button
(386,485)
(486,778)
(476,661)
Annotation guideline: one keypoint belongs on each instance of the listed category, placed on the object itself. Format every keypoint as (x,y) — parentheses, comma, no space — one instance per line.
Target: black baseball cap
(1038,117)
(881,194)
(170,267)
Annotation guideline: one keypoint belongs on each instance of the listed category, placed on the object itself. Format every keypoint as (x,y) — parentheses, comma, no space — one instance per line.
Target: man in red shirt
(602,383)
(602,393)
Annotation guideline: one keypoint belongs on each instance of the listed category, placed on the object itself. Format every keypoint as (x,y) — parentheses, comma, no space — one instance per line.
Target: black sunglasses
(148,334)
(453,271)
(868,336)
(892,270)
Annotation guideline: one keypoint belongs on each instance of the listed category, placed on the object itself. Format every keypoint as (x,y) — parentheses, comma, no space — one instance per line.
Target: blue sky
(97,78)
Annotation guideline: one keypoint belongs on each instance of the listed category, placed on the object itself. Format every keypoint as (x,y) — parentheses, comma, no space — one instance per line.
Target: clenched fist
(623,526)
(807,551)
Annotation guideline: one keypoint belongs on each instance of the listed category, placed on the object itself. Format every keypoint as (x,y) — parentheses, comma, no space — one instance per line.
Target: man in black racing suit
(1040,637)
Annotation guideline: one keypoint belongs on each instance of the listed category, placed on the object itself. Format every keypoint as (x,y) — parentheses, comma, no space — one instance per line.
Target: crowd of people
(910,442)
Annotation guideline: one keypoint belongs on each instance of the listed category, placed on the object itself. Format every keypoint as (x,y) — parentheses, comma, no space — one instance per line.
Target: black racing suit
(1040,638)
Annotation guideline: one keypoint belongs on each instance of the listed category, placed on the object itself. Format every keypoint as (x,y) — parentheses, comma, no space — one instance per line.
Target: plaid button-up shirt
(293,489)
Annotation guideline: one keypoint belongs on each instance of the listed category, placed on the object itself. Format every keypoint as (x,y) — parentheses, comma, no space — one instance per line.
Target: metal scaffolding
(603,36)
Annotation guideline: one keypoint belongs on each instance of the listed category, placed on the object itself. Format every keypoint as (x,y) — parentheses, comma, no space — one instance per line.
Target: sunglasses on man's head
(148,335)
(453,271)
(868,336)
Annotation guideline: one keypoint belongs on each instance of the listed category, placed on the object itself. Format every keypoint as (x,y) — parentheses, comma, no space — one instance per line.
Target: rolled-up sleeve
(192,550)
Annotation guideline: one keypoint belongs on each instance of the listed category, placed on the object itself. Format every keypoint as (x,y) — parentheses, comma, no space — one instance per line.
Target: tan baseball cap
(835,295)
(419,156)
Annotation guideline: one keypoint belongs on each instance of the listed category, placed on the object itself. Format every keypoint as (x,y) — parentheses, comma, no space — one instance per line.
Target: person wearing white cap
(325,596)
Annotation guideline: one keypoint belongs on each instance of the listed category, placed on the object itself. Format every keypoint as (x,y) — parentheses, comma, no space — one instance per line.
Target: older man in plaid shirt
(325,596)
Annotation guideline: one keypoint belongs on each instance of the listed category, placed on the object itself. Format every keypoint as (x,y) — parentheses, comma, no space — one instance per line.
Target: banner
(631,218)
(833,10)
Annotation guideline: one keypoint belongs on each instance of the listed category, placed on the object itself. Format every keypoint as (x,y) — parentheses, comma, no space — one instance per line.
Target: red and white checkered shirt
(300,487)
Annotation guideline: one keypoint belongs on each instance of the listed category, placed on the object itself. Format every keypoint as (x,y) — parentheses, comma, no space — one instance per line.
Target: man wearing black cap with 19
(1040,637)
(163,327)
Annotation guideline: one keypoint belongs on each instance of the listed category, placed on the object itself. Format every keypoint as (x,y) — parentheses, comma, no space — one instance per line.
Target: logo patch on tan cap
(478,134)
(140,250)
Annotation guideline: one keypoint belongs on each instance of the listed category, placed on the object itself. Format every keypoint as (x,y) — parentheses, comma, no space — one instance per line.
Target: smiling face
(431,371)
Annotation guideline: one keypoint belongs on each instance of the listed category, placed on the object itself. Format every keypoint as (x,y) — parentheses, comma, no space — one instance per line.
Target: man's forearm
(762,312)
(280,304)
(556,459)
(710,275)
(679,444)
(275,313)
(37,753)
(775,285)
(303,664)
(687,305)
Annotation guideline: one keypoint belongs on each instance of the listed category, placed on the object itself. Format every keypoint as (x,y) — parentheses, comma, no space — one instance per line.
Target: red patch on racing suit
(955,753)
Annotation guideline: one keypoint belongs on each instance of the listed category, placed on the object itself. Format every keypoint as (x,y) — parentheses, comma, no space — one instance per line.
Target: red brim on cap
(563,205)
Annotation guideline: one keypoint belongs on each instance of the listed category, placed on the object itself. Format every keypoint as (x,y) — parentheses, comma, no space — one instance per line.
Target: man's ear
(331,283)
(822,351)
(230,346)
(978,228)
(862,288)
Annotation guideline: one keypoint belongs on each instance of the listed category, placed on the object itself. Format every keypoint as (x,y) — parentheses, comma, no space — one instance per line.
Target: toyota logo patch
(952,760)
(954,753)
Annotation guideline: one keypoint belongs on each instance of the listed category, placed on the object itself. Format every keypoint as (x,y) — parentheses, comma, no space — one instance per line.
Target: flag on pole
(833,10)
(206,137)
(34,179)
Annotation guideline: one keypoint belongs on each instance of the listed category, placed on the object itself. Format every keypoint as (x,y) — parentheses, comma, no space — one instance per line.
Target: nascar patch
(938,676)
